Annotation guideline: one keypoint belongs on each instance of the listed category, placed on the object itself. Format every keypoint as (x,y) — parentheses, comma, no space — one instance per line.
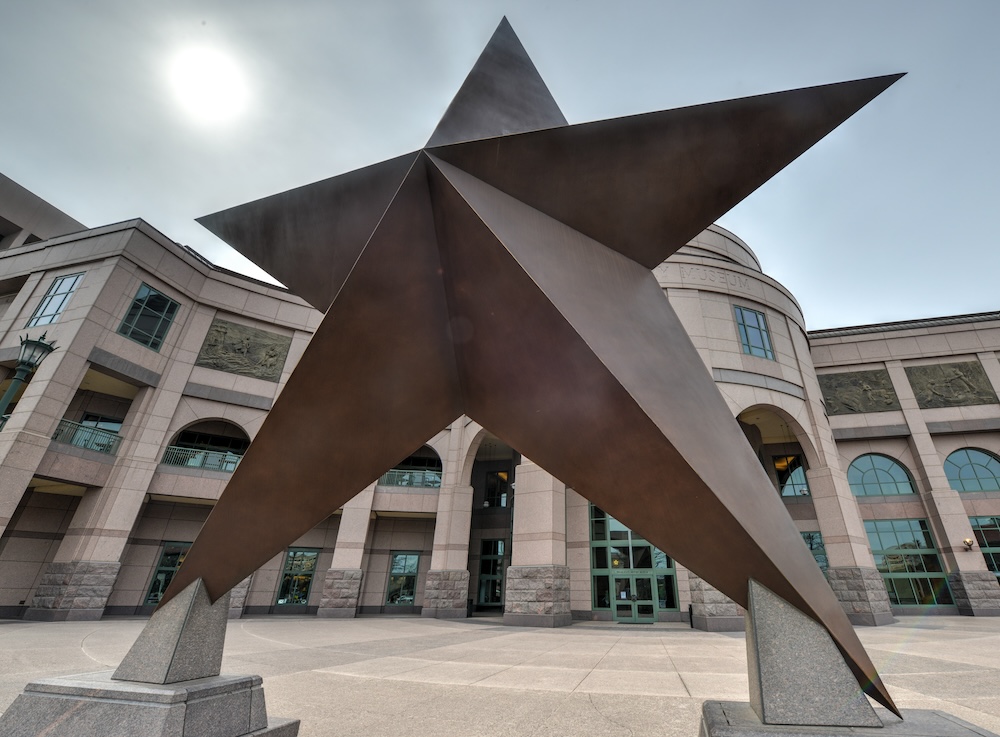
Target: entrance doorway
(634,599)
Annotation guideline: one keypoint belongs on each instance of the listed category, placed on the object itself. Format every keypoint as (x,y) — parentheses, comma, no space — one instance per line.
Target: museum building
(883,442)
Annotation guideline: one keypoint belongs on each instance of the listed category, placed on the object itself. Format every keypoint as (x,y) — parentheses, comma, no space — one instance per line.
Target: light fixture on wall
(33,352)
(968,542)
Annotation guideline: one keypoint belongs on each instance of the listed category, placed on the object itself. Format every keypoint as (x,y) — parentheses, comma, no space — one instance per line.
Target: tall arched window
(878,475)
(972,469)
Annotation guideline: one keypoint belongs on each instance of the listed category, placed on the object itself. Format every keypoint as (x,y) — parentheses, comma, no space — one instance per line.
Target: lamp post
(33,352)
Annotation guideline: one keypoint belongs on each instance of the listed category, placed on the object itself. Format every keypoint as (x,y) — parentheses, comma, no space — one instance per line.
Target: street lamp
(33,352)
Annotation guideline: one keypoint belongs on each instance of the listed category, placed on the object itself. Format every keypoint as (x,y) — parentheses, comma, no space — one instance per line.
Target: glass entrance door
(634,599)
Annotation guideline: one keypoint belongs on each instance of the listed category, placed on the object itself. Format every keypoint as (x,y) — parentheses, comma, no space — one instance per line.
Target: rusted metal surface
(507,277)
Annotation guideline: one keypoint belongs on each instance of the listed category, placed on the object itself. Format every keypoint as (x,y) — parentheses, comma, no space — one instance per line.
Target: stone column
(77,584)
(446,588)
(852,574)
(974,588)
(342,584)
(578,554)
(537,593)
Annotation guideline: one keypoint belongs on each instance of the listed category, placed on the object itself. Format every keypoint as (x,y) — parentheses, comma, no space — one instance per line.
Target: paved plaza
(384,676)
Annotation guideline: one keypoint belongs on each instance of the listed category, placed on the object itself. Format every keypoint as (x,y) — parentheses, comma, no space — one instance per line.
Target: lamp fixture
(968,542)
(33,352)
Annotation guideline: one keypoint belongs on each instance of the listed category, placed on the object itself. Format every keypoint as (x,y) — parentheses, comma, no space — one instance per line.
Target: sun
(208,84)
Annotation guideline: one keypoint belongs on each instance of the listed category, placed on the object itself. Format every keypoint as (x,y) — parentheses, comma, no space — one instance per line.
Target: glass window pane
(602,592)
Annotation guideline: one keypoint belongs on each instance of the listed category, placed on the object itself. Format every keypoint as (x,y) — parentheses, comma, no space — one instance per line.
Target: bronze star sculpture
(503,272)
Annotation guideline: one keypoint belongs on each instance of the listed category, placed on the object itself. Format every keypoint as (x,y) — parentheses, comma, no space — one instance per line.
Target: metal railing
(419,479)
(91,438)
(211,460)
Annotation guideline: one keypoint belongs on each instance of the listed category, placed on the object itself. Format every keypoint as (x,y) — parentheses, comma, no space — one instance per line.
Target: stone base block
(537,596)
(341,591)
(93,703)
(976,593)
(737,719)
(73,591)
(711,610)
(446,594)
(862,593)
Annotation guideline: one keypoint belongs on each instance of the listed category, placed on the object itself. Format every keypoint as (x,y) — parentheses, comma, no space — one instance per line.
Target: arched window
(878,475)
(972,469)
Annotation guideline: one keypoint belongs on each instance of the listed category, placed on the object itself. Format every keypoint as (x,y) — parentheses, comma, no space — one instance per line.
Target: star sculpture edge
(503,272)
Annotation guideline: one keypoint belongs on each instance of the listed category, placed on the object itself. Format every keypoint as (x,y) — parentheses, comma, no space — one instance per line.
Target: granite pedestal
(94,704)
(168,685)
(737,719)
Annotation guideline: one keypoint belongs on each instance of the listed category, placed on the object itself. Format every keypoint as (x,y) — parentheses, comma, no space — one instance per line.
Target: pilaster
(538,581)
(342,583)
(974,589)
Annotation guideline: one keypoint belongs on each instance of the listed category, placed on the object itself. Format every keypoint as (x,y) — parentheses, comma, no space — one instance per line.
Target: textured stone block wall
(446,593)
(862,593)
(975,592)
(537,595)
(341,591)
(74,590)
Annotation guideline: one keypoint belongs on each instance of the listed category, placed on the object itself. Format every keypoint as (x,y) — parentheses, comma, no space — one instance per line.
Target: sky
(888,218)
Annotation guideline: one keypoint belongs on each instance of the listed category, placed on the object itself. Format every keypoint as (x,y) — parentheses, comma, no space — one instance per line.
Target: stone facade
(537,596)
(976,593)
(77,590)
(116,506)
(713,611)
(341,592)
(446,594)
(862,593)
(238,597)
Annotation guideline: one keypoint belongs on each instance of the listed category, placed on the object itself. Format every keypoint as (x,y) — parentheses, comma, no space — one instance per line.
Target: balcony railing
(211,460)
(91,438)
(419,479)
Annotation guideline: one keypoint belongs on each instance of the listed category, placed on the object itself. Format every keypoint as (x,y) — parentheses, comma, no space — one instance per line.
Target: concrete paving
(389,676)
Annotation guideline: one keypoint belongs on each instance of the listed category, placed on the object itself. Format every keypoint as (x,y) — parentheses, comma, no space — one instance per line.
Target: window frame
(290,572)
(168,571)
(139,309)
(42,315)
(402,575)
(862,486)
(766,348)
(898,564)
(955,479)
(991,553)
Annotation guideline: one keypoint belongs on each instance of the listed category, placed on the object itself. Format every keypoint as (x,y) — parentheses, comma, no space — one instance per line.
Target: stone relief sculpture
(241,349)
(858,391)
(950,385)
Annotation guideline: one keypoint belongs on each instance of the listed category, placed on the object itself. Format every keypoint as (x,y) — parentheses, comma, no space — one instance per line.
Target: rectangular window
(55,300)
(297,576)
(497,488)
(753,332)
(791,474)
(908,561)
(987,531)
(402,590)
(814,541)
(170,560)
(149,317)
(491,572)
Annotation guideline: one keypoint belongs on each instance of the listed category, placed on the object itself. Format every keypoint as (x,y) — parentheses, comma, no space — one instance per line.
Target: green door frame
(635,598)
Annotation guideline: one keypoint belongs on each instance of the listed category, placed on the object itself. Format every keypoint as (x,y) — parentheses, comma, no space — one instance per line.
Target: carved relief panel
(243,350)
(858,391)
(950,385)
